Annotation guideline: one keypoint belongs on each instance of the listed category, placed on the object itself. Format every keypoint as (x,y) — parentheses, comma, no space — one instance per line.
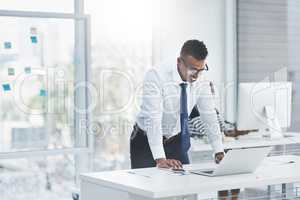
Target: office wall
(178,21)
(262,39)
(269,44)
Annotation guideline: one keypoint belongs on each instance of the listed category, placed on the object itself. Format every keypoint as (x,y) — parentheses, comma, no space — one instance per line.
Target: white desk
(153,183)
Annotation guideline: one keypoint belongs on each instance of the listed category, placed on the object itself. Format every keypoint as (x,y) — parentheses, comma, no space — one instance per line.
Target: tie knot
(183,85)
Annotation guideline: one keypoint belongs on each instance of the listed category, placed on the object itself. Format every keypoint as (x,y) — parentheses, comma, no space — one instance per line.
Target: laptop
(237,161)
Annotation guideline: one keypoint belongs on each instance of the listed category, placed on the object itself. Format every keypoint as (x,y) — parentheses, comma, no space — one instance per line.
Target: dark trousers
(140,152)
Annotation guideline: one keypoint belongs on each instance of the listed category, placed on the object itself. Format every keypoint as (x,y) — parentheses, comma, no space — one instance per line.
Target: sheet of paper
(156,173)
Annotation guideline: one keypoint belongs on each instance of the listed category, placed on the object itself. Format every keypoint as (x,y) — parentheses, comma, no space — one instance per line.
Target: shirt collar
(176,77)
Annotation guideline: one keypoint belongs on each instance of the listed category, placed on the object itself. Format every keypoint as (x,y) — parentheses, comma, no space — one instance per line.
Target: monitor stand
(273,129)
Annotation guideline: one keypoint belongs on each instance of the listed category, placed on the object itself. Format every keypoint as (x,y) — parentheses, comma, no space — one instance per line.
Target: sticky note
(11,71)
(27,70)
(6,87)
(7,45)
(33,30)
(43,93)
(33,39)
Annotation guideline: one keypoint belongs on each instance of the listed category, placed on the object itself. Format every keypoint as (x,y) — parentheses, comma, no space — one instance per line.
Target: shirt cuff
(157,151)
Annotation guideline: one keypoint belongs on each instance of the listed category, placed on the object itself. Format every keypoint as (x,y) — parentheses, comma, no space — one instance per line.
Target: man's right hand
(168,163)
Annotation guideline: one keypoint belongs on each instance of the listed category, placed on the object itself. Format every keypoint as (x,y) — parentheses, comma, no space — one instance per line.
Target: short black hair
(194,48)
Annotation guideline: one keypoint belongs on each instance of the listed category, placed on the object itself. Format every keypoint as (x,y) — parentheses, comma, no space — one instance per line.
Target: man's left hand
(218,157)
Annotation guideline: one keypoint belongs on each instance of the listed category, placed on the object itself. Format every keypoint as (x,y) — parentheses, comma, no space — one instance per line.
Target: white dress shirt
(160,109)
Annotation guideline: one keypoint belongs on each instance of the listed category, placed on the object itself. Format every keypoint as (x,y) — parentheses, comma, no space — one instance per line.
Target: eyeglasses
(193,69)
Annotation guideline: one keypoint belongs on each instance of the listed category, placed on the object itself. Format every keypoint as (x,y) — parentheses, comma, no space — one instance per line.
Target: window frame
(81,98)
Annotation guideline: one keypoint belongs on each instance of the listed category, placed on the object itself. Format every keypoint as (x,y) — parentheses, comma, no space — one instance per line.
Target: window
(121,52)
(38,66)
(44,59)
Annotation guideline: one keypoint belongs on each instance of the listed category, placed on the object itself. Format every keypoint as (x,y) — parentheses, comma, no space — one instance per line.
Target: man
(161,135)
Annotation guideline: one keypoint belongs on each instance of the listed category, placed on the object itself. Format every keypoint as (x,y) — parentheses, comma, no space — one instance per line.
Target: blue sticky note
(11,71)
(6,87)
(7,45)
(33,39)
(43,93)
(27,70)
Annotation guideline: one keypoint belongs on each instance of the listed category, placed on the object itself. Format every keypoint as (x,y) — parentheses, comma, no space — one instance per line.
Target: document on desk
(157,172)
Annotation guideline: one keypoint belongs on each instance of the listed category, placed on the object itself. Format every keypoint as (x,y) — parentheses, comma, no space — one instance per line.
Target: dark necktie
(185,136)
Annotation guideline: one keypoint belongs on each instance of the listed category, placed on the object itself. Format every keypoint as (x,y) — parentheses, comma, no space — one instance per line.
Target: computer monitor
(265,106)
